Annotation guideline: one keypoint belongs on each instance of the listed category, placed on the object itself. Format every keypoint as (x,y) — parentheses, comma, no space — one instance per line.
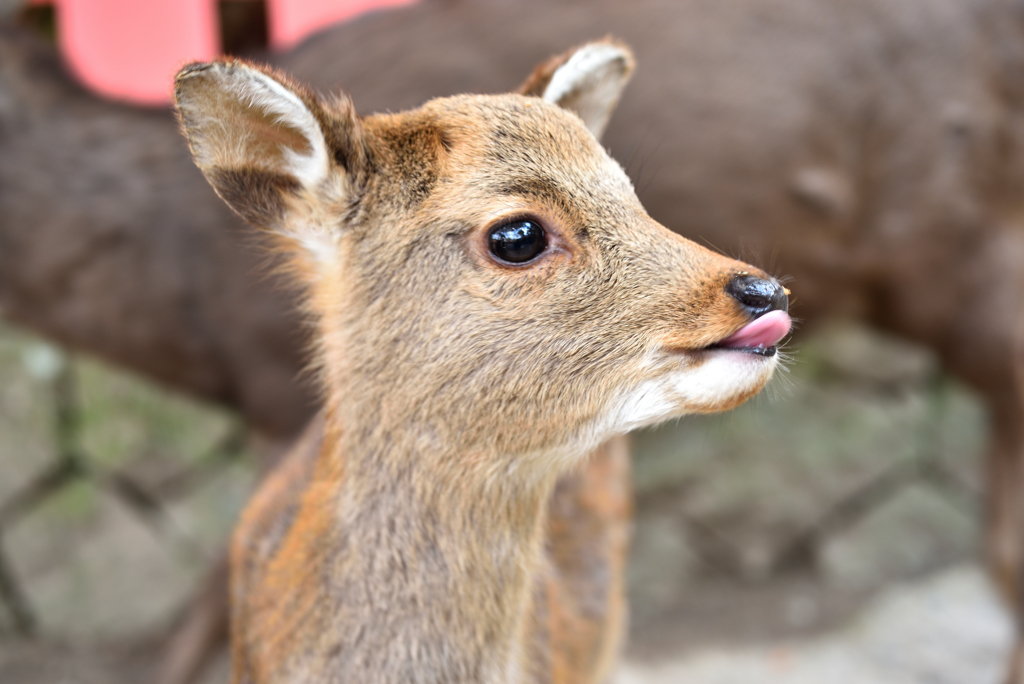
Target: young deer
(493,303)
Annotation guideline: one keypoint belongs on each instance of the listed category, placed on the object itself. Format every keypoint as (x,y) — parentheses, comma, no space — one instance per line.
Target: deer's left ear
(586,80)
(269,146)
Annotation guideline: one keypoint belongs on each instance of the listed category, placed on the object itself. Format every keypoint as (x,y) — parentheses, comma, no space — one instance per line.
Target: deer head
(484,277)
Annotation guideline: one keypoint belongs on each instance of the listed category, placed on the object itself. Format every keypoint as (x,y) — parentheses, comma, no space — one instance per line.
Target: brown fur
(458,388)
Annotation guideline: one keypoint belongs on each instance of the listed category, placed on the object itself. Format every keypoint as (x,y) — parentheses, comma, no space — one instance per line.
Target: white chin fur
(714,385)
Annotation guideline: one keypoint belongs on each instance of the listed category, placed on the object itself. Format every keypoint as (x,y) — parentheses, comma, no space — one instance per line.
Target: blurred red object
(292,20)
(129,50)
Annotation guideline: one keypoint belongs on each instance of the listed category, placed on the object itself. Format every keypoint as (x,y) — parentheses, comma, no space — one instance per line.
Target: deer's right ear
(266,145)
(587,80)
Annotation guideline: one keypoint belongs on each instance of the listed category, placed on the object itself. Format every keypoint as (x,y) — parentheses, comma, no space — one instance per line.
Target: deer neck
(446,550)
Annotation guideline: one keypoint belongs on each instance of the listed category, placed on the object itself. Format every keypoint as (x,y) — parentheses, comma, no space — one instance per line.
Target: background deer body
(866,148)
(847,158)
(475,267)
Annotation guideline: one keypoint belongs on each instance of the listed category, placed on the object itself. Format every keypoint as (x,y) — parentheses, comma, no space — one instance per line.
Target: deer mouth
(761,336)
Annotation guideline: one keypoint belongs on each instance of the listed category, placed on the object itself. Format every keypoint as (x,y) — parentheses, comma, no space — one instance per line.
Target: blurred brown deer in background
(870,149)
(492,303)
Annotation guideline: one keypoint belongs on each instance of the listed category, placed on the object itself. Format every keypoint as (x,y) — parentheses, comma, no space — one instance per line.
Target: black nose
(759,295)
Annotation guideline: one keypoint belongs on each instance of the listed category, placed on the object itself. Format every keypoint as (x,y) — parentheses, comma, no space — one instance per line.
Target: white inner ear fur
(254,90)
(261,91)
(590,82)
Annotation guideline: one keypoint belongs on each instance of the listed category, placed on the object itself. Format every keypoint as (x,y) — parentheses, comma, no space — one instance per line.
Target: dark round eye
(518,241)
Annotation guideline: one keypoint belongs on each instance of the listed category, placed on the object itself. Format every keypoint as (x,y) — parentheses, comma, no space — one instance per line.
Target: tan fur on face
(408,544)
(619,301)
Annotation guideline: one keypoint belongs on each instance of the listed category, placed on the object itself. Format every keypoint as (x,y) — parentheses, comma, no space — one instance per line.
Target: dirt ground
(947,629)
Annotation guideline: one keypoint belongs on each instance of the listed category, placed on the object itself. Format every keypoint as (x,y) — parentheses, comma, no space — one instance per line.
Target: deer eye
(518,241)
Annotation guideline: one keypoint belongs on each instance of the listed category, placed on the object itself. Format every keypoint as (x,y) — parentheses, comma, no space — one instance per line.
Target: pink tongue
(763,332)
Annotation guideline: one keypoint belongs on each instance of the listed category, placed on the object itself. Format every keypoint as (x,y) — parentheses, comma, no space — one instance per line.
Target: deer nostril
(759,295)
